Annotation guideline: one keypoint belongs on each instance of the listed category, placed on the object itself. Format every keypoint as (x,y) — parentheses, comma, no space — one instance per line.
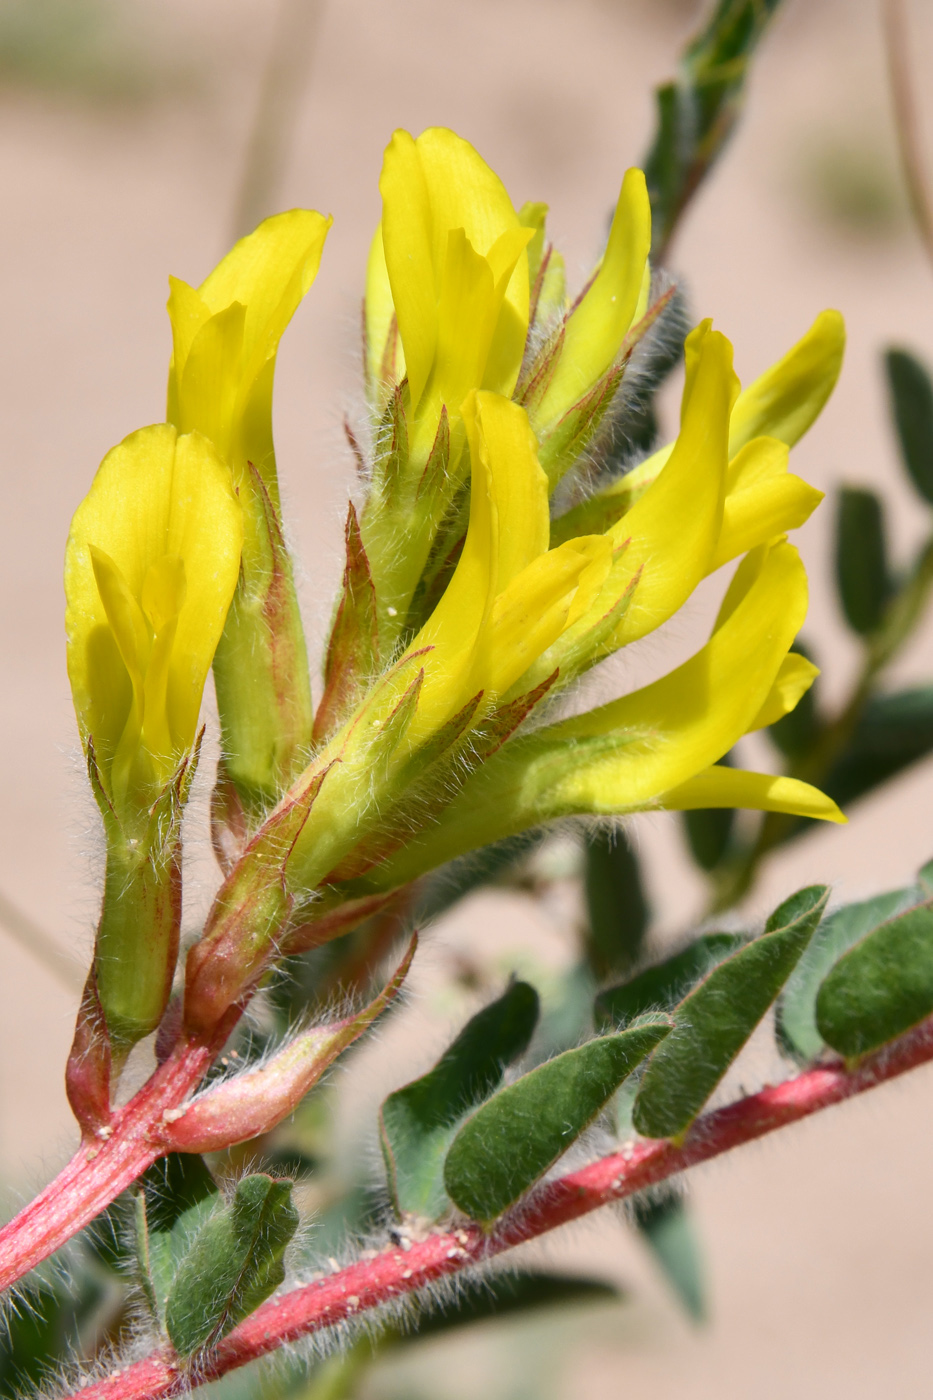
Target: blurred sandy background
(121,147)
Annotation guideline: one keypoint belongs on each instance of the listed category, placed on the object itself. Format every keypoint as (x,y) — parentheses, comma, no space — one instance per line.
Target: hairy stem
(395,1272)
(106,1165)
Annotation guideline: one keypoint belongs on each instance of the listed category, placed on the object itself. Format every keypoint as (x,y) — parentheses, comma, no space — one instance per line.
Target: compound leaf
(714,1021)
(881,987)
(418,1122)
(233,1264)
(514,1138)
(661,987)
(795,1019)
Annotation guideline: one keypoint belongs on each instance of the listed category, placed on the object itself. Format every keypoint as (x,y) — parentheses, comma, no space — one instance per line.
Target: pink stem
(395,1271)
(103,1167)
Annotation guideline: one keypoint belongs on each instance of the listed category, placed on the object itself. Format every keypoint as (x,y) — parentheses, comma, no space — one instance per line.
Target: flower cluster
(502,548)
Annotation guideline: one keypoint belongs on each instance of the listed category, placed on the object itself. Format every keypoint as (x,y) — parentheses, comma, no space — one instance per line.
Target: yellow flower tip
(150,568)
(792,682)
(617,296)
(453,272)
(719,786)
(788,397)
(225,335)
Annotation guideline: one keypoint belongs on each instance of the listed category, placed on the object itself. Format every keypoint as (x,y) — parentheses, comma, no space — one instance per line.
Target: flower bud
(150,568)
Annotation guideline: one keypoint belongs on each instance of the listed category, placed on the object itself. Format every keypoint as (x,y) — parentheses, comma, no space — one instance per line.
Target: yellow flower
(657,747)
(150,568)
(225,338)
(447,282)
(721,489)
(511,596)
(225,341)
(450,271)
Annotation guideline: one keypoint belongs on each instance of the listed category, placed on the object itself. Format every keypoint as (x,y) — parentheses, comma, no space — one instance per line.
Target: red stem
(102,1168)
(396,1271)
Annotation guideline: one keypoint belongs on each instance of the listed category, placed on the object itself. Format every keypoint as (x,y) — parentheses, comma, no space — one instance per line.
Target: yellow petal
(691,717)
(226,336)
(596,328)
(153,552)
(380,316)
(763,500)
(407,229)
(430,188)
(793,680)
(787,398)
(479,341)
(508,529)
(537,606)
(760,792)
(533,215)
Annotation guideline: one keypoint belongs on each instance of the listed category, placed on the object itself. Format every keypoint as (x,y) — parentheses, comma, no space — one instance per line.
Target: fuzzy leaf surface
(881,987)
(234,1263)
(509,1143)
(178,1194)
(418,1122)
(797,1031)
(661,987)
(714,1021)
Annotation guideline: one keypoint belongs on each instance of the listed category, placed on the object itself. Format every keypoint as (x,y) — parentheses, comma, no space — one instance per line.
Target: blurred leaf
(881,987)
(893,732)
(663,1221)
(862,576)
(708,833)
(661,987)
(452,882)
(505,1295)
(714,1021)
(697,112)
(418,1122)
(234,1263)
(795,1014)
(511,1141)
(709,830)
(616,904)
(911,396)
(178,1194)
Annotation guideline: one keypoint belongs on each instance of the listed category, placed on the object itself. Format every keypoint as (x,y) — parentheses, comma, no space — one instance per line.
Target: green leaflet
(615,900)
(418,1122)
(881,987)
(912,408)
(660,988)
(662,1219)
(795,1019)
(233,1264)
(508,1294)
(714,1021)
(893,731)
(178,1194)
(697,112)
(862,574)
(509,1143)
